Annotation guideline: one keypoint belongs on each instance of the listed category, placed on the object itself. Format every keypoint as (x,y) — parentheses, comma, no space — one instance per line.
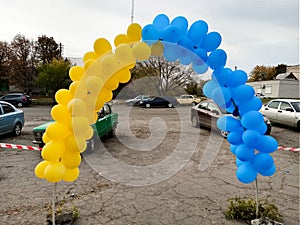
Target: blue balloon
(253,104)
(170,34)
(149,32)
(244,152)
(267,144)
(160,22)
(198,30)
(171,51)
(201,69)
(238,162)
(237,77)
(217,59)
(246,173)
(235,137)
(211,41)
(185,60)
(221,75)
(185,46)
(251,138)
(208,88)
(262,162)
(199,57)
(242,93)
(181,23)
(262,129)
(269,172)
(229,123)
(221,95)
(252,120)
(232,148)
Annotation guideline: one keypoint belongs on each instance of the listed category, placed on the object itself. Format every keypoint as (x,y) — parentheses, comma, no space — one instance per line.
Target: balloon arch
(104,69)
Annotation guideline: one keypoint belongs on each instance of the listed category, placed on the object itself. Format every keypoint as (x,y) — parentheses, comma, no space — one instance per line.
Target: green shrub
(245,209)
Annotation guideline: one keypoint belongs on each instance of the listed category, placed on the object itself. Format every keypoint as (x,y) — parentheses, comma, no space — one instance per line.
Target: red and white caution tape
(288,149)
(5,145)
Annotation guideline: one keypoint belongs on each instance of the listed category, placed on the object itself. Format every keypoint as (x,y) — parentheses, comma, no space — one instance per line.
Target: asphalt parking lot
(158,170)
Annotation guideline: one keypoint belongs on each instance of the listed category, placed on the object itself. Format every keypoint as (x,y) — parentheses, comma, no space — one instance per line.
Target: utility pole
(132,10)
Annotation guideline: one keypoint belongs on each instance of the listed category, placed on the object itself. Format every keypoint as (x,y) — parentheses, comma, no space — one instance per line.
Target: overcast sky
(254,32)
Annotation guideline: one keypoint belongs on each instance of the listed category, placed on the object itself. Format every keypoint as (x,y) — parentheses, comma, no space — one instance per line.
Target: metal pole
(132,10)
(256,198)
(53,204)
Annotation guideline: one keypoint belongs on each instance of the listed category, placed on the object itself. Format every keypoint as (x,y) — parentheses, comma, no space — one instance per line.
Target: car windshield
(296,106)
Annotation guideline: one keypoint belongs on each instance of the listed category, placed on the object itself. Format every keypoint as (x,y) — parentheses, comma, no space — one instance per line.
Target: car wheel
(194,103)
(170,105)
(20,104)
(224,134)
(17,129)
(195,121)
(268,130)
(41,145)
(130,104)
(148,105)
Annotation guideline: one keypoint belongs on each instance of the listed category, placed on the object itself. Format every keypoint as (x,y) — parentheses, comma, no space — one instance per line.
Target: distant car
(104,126)
(207,112)
(260,95)
(137,99)
(11,119)
(17,99)
(166,101)
(283,111)
(188,100)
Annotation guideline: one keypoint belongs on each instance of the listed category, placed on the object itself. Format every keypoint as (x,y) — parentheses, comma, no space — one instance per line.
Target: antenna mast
(132,10)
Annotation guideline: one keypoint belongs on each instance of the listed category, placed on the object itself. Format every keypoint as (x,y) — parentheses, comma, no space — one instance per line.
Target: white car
(283,111)
(137,99)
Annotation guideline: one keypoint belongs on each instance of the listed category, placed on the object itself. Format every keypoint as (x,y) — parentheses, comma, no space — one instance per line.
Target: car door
(213,114)
(286,114)
(2,124)
(103,124)
(271,110)
(7,118)
(202,111)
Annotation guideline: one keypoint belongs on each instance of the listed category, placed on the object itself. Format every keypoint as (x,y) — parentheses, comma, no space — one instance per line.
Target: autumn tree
(5,60)
(260,73)
(23,63)
(47,49)
(54,76)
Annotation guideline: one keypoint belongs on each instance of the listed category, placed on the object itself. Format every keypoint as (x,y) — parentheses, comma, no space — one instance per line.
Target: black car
(17,99)
(207,112)
(169,102)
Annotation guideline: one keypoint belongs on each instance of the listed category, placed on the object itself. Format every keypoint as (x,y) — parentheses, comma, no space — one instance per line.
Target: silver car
(283,111)
(11,119)
(135,101)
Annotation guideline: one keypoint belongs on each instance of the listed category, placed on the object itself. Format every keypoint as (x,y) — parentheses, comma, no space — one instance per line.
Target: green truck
(104,126)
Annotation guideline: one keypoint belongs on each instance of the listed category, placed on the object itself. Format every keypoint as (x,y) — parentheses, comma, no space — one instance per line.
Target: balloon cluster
(77,107)
(189,46)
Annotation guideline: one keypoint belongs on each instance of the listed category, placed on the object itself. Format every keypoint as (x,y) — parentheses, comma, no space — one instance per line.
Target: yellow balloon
(99,102)
(141,51)
(71,160)
(77,89)
(88,134)
(45,138)
(71,175)
(134,32)
(109,63)
(88,63)
(102,47)
(76,72)
(63,96)
(53,150)
(79,125)
(75,144)
(125,56)
(77,107)
(60,113)
(40,169)
(157,49)
(105,95)
(111,84)
(121,39)
(94,84)
(123,76)
(89,55)
(54,171)
(57,131)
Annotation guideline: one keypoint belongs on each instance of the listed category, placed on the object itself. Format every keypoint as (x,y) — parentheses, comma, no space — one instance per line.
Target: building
(285,85)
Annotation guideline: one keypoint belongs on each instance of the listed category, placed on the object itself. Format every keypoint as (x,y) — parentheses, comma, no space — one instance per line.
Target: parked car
(17,99)
(11,119)
(159,102)
(207,112)
(188,100)
(137,99)
(104,126)
(283,111)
